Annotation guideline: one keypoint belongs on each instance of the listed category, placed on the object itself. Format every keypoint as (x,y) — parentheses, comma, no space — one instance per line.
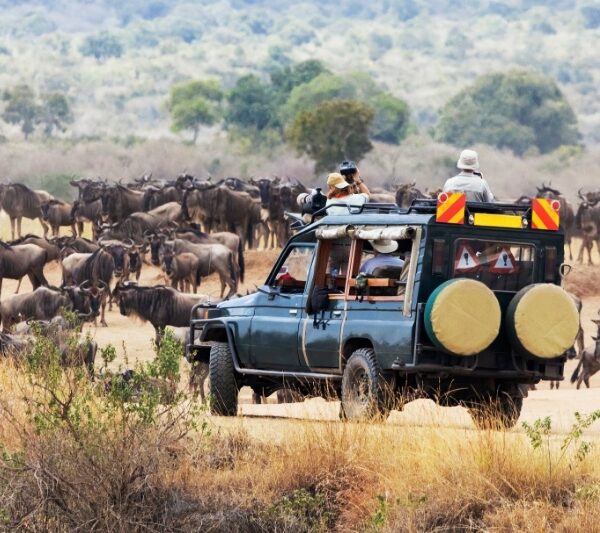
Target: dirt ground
(133,342)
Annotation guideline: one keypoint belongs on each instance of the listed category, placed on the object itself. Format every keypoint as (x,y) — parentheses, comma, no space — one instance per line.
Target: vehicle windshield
(501,266)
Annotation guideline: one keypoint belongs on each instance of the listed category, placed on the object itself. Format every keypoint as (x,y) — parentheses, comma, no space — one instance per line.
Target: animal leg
(580,379)
(45,227)
(12,227)
(18,286)
(586,380)
(102,319)
(19,220)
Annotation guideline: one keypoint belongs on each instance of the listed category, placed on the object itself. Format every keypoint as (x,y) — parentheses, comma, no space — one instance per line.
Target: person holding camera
(346,187)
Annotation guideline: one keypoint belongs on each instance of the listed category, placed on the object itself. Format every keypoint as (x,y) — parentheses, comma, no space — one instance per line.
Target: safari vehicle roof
(423,212)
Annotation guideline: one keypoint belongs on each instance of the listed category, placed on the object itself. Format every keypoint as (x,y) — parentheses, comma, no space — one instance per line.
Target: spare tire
(462,316)
(542,321)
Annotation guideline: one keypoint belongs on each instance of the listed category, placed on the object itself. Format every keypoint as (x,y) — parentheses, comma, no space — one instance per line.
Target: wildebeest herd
(189,227)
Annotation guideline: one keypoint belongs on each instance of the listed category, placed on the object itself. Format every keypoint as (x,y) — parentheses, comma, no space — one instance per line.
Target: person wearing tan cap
(341,192)
(469,180)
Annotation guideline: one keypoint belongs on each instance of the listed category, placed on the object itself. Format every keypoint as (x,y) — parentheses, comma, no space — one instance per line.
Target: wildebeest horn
(130,241)
(580,194)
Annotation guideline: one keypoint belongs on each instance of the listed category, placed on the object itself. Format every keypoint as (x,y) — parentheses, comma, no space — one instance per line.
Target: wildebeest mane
(196,232)
(5,245)
(99,266)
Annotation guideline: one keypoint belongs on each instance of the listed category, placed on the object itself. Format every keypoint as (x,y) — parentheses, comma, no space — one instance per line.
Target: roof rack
(357,210)
(426,205)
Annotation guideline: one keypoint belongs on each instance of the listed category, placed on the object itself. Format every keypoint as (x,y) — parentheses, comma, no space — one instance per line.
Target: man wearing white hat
(383,258)
(469,180)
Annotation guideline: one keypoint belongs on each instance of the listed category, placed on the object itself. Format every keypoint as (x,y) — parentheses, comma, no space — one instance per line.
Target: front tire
(223,383)
(365,391)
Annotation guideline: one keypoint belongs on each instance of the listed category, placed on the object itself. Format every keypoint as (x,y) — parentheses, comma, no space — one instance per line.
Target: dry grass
(315,477)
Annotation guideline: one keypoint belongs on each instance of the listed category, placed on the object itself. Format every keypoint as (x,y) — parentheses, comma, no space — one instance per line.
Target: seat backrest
(392,272)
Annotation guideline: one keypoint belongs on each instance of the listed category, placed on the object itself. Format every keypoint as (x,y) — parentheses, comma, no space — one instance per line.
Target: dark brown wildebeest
(200,204)
(134,227)
(20,201)
(96,269)
(161,306)
(57,213)
(155,196)
(236,184)
(166,213)
(52,250)
(135,254)
(22,260)
(589,363)
(587,223)
(82,212)
(118,202)
(78,244)
(406,193)
(213,258)
(44,303)
(182,269)
(567,213)
(226,238)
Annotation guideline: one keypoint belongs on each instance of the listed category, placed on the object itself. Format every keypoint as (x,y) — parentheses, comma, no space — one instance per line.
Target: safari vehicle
(473,317)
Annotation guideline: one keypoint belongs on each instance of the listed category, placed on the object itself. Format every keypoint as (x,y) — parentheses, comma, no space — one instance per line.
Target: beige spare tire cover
(462,316)
(542,320)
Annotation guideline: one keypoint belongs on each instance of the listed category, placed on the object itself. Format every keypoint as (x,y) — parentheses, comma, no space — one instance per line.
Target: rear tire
(223,383)
(498,413)
(365,391)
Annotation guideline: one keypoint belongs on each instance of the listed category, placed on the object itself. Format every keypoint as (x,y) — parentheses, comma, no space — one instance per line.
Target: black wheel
(501,412)
(365,391)
(223,384)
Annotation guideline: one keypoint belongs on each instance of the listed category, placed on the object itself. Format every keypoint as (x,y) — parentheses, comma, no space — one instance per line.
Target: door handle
(337,313)
(293,312)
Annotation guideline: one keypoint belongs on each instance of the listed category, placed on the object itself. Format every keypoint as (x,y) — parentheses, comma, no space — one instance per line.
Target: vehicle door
(279,310)
(320,334)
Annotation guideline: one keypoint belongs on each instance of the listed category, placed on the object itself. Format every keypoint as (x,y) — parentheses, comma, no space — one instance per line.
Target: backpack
(319,302)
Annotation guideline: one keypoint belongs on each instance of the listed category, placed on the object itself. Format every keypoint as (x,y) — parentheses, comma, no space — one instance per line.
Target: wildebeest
(78,244)
(406,193)
(82,212)
(567,214)
(587,222)
(52,250)
(226,238)
(155,196)
(57,213)
(20,201)
(198,369)
(213,258)
(43,304)
(118,202)
(182,269)
(135,254)
(161,306)
(589,363)
(22,260)
(96,268)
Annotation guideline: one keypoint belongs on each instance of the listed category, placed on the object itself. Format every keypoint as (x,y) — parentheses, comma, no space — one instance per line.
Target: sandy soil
(133,342)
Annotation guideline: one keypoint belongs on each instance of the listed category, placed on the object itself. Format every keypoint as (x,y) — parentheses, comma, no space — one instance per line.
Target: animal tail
(576,371)
(249,235)
(241,262)
(198,276)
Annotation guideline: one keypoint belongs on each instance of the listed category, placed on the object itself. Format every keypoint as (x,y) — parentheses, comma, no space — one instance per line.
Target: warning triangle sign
(504,262)
(466,260)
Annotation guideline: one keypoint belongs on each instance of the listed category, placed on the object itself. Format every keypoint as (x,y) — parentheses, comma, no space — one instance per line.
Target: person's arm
(362,188)
(489,197)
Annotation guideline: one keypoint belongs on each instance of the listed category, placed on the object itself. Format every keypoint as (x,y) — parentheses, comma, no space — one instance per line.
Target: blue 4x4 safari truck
(467,309)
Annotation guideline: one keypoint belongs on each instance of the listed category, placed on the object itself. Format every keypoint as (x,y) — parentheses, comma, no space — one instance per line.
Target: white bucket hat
(384,246)
(468,160)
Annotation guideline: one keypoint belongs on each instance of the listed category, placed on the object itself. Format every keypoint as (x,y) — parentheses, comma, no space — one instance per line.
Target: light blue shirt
(380,260)
(476,188)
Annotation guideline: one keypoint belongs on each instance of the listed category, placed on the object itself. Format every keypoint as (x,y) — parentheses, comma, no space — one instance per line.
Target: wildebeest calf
(589,363)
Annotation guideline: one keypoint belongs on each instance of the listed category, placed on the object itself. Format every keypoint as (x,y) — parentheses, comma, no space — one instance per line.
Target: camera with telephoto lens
(311,203)
(347,169)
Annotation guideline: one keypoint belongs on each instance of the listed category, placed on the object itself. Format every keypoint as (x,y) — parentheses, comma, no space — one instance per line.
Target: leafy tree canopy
(251,104)
(193,104)
(101,46)
(55,113)
(516,110)
(332,131)
(21,108)
(288,77)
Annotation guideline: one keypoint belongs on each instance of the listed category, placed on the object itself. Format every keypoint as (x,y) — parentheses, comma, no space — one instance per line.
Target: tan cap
(337,180)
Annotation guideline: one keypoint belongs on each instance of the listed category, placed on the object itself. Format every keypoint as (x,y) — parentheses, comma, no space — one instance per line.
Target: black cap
(348,167)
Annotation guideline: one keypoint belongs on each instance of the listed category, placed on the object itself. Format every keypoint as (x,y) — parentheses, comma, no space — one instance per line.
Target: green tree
(516,110)
(193,104)
(288,77)
(55,113)
(101,46)
(392,118)
(21,108)
(251,105)
(332,131)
